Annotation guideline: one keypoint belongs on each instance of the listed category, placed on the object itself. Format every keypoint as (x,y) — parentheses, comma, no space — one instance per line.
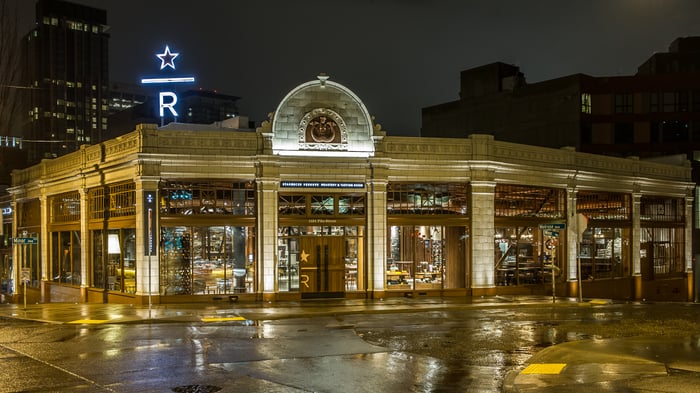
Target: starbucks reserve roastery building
(319,202)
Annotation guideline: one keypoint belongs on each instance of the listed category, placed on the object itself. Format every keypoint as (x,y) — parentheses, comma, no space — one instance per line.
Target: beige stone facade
(320,202)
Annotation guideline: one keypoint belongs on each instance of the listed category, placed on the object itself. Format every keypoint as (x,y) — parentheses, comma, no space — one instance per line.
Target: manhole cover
(196,389)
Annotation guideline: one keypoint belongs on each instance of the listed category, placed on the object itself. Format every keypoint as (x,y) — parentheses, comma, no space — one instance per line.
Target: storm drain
(196,389)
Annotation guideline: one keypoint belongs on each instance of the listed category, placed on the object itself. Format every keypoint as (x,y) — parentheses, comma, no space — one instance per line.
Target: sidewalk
(195,312)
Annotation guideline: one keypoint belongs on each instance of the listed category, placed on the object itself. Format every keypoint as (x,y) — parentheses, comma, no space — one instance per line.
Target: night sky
(397,56)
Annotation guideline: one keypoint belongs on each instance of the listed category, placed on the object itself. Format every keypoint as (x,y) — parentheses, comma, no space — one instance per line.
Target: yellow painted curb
(89,321)
(544,368)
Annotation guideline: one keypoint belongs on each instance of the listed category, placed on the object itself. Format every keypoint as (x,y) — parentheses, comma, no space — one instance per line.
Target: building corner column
(147,254)
(483,229)
(688,246)
(635,247)
(44,250)
(572,243)
(267,222)
(85,239)
(377,235)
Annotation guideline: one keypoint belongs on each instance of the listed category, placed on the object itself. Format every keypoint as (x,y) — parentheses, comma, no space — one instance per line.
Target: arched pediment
(322,118)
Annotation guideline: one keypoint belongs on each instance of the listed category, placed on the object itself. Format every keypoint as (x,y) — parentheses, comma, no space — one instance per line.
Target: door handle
(318,266)
(325,267)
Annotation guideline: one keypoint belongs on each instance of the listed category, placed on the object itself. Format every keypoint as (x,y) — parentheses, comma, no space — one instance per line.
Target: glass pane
(98,277)
(75,267)
(175,268)
(351,253)
(128,250)
(322,205)
(58,275)
(288,261)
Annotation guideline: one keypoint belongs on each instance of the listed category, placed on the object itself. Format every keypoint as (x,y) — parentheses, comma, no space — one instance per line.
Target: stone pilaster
(376,235)
(635,246)
(147,265)
(483,229)
(688,249)
(573,238)
(84,238)
(44,237)
(267,192)
(635,242)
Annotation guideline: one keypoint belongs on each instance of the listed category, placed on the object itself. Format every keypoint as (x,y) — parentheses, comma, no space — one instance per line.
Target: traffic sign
(26,273)
(553,226)
(26,240)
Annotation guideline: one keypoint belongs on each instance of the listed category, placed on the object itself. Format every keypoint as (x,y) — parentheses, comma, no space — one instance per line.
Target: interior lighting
(113,244)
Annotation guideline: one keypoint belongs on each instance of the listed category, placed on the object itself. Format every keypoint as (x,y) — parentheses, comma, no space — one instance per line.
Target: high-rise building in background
(66,60)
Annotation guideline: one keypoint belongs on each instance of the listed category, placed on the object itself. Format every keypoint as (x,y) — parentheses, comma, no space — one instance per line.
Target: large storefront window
(64,216)
(111,212)
(29,225)
(116,272)
(207,198)
(207,260)
(528,234)
(662,236)
(604,253)
(207,243)
(604,248)
(526,255)
(423,252)
(427,199)
(65,257)
(426,257)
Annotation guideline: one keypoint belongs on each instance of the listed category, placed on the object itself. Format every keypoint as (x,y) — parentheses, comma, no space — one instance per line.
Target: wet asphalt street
(393,345)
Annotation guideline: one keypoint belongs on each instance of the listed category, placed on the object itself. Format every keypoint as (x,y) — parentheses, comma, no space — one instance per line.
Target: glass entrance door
(322,265)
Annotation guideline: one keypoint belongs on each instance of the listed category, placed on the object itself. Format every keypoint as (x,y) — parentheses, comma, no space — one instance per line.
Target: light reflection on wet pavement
(355,348)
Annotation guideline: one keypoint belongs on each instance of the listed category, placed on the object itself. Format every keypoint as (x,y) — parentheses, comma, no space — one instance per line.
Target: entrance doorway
(322,266)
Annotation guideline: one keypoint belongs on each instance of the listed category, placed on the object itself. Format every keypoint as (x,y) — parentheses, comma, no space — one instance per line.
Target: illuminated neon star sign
(167,58)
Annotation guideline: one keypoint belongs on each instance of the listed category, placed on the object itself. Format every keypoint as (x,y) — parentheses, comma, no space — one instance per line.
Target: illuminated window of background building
(586,103)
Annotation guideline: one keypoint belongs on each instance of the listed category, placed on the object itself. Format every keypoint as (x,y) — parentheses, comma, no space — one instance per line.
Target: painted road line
(222,319)
(544,368)
(88,321)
